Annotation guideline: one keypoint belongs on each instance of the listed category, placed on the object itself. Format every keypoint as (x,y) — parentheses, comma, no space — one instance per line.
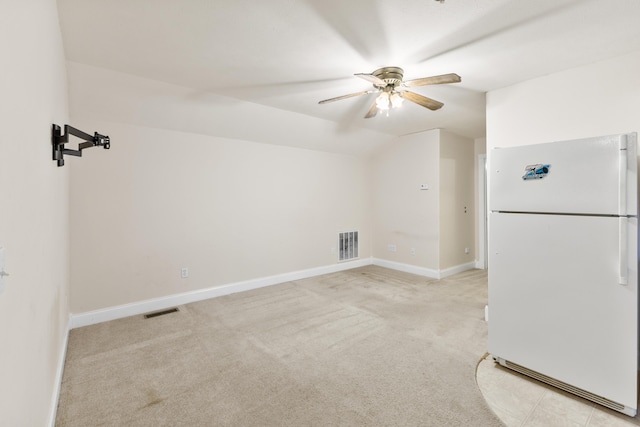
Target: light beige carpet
(368,346)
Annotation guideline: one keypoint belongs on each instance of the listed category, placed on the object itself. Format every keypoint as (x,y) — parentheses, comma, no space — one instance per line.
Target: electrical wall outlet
(392,248)
(412,251)
(184,272)
(467,250)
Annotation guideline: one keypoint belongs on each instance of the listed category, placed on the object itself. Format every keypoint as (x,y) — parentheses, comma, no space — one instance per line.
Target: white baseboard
(422,271)
(479,265)
(457,269)
(407,268)
(53,412)
(104,315)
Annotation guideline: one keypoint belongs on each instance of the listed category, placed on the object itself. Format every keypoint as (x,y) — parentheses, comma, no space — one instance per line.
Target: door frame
(481,224)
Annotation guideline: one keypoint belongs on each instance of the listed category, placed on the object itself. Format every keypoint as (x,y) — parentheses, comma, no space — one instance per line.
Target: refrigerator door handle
(622,177)
(622,250)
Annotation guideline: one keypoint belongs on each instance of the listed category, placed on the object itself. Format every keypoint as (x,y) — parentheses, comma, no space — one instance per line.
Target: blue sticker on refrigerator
(537,171)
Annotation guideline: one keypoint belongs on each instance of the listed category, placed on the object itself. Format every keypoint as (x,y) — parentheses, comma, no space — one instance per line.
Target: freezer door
(590,176)
(556,304)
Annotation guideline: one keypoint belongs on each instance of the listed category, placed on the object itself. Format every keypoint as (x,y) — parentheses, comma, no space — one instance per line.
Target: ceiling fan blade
(434,80)
(429,103)
(351,95)
(371,78)
(372,111)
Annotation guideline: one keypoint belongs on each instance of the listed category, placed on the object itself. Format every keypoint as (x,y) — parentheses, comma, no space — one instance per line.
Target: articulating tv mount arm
(58,140)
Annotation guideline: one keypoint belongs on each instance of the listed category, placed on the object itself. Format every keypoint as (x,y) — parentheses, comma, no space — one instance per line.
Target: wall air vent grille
(160,313)
(348,245)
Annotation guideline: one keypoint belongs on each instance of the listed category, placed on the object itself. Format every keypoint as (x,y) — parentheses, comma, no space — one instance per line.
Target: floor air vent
(564,386)
(160,313)
(348,244)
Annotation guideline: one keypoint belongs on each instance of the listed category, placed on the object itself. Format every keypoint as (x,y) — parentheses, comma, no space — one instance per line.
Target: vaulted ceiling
(290,54)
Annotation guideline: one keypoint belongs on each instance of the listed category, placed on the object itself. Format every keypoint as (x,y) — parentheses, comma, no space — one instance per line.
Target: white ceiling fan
(387,81)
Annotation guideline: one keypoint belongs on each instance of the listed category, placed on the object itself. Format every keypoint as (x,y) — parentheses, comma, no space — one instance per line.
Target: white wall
(33,212)
(404,215)
(229,210)
(457,207)
(597,99)
(433,221)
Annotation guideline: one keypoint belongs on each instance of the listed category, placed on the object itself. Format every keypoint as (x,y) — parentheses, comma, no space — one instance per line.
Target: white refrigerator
(563,265)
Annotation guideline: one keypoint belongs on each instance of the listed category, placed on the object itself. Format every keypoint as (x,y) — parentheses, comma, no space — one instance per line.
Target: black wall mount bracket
(58,140)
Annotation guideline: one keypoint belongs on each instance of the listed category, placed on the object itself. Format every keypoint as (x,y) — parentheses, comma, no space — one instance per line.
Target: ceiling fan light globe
(396,100)
(382,101)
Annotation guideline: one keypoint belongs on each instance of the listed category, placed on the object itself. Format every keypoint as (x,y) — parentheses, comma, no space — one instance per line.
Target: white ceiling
(290,54)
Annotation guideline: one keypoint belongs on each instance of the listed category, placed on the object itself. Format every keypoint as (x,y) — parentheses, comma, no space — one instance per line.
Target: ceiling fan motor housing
(392,76)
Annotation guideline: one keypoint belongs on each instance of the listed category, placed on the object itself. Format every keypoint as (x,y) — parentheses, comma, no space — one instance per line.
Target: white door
(591,176)
(556,305)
